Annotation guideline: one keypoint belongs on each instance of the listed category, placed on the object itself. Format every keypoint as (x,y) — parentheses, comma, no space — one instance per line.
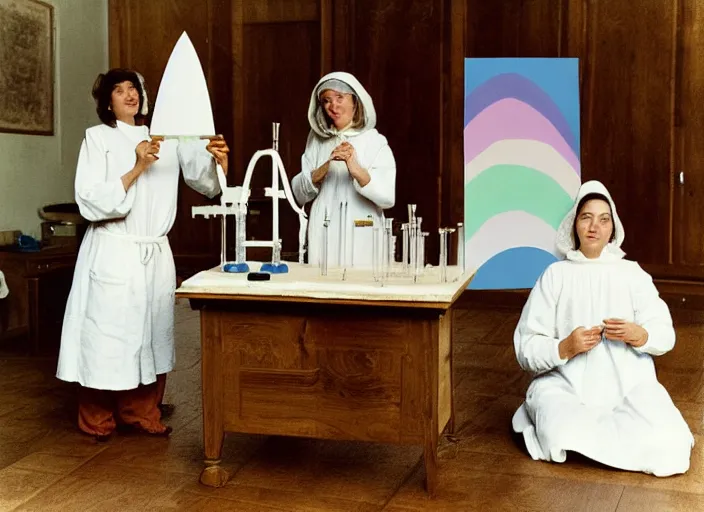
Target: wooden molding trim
(684,294)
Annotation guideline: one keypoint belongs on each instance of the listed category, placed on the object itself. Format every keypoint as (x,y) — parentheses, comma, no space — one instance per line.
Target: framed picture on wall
(26,67)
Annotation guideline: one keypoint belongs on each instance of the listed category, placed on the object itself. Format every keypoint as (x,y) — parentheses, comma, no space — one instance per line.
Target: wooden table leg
(430,456)
(433,332)
(451,423)
(213,475)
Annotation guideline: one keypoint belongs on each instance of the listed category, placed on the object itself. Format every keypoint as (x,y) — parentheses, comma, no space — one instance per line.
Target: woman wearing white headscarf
(347,170)
(588,332)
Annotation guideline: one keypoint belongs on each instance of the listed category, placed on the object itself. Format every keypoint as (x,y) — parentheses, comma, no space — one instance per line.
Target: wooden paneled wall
(641,77)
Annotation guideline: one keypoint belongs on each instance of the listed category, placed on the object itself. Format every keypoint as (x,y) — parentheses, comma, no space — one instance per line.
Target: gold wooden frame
(27,70)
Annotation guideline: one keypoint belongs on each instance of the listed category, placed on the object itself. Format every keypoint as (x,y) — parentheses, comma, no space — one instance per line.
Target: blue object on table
(236,268)
(273,268)
(28,244)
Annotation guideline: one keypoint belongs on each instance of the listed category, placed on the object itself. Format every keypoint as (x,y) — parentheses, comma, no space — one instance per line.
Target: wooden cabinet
(39,282)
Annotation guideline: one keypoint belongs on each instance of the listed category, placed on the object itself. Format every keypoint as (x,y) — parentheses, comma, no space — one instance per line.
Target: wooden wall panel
(452,157)
(627,115)
(514,28)
(280,11)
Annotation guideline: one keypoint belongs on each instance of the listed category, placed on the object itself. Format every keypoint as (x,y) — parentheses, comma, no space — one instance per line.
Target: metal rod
(275,135)
(389,246)
(275,185)
(223,241)
(404,253)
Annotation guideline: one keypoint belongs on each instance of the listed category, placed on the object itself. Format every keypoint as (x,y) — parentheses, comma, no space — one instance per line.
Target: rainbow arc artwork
(521,165)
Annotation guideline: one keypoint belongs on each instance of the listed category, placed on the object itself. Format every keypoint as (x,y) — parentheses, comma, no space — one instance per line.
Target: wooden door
(628,115)
(688,228)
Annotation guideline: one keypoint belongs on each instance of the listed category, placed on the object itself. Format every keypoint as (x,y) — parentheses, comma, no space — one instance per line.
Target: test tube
(443,255)
(376,252)
(393,251)
(324,247)
(340,234)
(240,233)
(389,247)
(419,256)
(412,232)
(423,237)
(419,240)
(460,247)
(223,241)
(404,255)
(275,135)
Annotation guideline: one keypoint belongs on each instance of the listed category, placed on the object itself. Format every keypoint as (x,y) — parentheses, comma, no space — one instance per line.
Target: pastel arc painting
(521,165)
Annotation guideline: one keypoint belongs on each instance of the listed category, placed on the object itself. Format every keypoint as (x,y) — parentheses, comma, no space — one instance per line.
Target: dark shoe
(103,438)
(166,410)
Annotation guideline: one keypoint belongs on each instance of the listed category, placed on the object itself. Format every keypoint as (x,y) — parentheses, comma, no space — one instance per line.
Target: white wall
(36,169)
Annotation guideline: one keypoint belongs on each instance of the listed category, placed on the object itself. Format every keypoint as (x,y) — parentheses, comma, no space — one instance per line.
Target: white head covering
(3,286)
(565,233)
(337,81)
(145,101)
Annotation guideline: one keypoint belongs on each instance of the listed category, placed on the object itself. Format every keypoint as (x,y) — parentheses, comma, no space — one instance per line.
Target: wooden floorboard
(46,464)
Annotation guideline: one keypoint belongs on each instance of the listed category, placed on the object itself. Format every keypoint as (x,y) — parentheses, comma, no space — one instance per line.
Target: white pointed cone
(182,105)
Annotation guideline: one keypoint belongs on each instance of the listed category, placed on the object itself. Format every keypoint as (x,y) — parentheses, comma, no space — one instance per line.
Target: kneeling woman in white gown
(588,332)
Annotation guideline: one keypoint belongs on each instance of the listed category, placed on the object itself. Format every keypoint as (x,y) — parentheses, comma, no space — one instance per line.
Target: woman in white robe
(589,331)
(347,170)
(118,333)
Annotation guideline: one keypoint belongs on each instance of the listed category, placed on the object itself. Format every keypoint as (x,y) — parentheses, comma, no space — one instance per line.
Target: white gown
(354,247)
(118,324)
(606,404)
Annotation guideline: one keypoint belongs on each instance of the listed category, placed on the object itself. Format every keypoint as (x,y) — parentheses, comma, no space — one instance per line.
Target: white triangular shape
(182,105)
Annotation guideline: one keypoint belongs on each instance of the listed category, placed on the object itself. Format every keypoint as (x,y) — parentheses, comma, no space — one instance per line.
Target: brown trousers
(99,411)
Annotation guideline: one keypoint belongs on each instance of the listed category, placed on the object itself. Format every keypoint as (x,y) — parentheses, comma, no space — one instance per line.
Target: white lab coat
(118,324)
(347,246)
(606,404)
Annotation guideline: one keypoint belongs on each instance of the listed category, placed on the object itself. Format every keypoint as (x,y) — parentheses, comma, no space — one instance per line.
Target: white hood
(316,116)
(565,234)
(3,286)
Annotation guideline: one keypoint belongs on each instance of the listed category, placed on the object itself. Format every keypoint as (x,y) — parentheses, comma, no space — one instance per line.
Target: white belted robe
(119,319)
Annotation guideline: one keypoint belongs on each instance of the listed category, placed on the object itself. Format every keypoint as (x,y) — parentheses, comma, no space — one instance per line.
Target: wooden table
(303,355)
